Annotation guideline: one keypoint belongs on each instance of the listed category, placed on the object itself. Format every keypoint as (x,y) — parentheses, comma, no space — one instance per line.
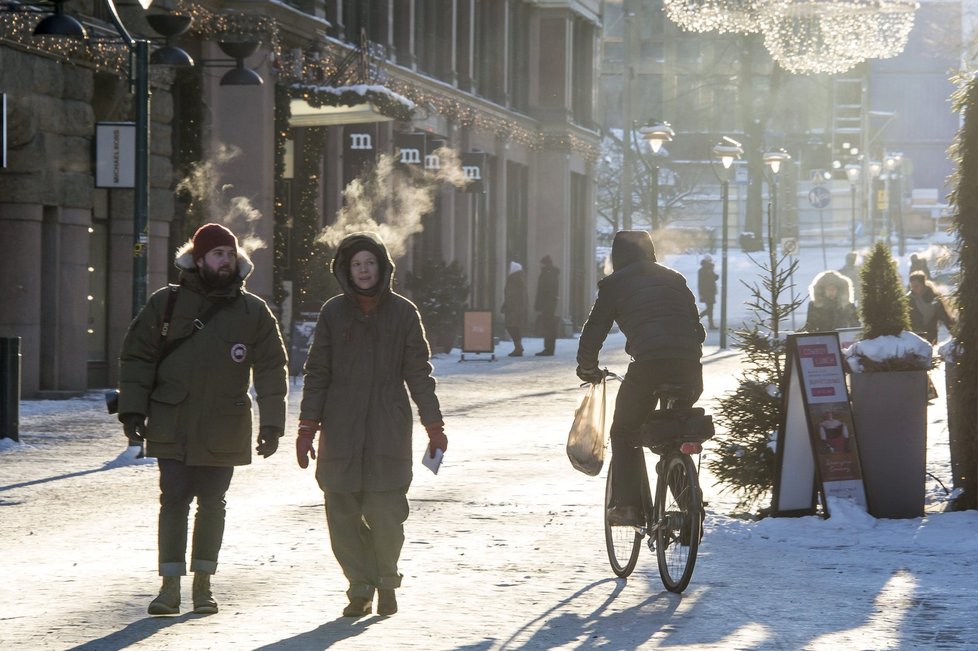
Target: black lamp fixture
(169,26)
(60,24)
(240,75)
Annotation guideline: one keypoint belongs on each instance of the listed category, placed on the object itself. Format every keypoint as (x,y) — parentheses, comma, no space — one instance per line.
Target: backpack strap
(199,324)
(171,300)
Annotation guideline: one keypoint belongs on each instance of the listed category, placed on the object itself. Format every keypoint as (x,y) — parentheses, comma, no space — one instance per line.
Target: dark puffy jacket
(651,303)
(355,380)
(197,402)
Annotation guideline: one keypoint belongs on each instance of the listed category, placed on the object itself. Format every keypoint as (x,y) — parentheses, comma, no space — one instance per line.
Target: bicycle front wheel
(623,543)
(679,519)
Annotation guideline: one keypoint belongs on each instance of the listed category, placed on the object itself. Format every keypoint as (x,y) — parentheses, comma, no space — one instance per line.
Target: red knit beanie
(210,236)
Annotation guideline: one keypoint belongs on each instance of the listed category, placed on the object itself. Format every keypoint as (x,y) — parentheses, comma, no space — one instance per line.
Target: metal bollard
(10,388)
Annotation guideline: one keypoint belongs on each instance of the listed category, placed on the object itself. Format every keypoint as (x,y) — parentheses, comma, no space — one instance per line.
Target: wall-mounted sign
(431,160)
(115,154)
(359,150)
(817,438)
(474,166)
(410,148)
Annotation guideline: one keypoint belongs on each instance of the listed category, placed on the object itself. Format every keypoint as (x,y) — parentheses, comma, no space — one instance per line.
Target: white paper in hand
(432,463)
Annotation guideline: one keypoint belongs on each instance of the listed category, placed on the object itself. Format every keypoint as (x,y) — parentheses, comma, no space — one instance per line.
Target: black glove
(268,437)
(134,425)
(592,375)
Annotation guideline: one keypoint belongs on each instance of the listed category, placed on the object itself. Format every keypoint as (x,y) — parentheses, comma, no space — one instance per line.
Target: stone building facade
(507,81)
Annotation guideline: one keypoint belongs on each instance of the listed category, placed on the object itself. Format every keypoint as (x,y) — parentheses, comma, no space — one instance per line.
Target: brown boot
(358,607)
(167,602)
(386,603)
(204,603)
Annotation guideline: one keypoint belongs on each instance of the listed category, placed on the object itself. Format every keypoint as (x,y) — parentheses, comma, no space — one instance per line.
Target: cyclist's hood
(631,246)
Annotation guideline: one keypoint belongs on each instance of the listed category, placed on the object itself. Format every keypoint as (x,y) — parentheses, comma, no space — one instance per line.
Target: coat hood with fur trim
(184,261)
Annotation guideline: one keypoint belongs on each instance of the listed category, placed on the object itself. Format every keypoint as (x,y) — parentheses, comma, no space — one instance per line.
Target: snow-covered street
(505,546)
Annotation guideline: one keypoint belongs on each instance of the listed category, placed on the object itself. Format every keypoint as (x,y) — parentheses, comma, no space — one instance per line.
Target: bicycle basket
(675,426)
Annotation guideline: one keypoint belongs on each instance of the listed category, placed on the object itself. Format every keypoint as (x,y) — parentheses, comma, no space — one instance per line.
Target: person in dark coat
(368,353)
(707,287)
(193,406)
(927,308)
(548,289)
(851,270)
(516,305)
(919,264)
(830,306)
(656,311)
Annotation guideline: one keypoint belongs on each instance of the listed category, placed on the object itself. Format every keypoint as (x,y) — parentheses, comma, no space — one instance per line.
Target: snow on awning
(317,106)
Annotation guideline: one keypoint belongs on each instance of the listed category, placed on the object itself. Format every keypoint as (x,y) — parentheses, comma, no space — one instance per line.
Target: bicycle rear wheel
(623,543)
(679,518)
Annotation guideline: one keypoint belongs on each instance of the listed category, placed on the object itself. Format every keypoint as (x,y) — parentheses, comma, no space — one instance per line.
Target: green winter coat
(354,384)
(197,402)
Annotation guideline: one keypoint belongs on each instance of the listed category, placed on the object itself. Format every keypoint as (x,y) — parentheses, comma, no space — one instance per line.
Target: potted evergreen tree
(440,291)
(888,376)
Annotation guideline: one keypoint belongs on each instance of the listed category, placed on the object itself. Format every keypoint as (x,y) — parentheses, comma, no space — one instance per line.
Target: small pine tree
(439,290)
(884,309)
(749,416)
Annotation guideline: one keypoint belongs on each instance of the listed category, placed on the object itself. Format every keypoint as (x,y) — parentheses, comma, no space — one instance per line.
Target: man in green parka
(368,353)
(187,363)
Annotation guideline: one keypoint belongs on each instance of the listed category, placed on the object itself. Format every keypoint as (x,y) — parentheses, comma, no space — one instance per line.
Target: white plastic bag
(585,442)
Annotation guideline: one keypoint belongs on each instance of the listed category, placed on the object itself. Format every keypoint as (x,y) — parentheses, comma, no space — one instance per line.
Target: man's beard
(214,279)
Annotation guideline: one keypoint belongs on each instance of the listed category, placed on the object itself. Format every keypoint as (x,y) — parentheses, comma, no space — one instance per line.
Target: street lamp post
(852,173)
(894,197)
(875,169)
(726,152)
(774,160)
(63,25)
(655,133)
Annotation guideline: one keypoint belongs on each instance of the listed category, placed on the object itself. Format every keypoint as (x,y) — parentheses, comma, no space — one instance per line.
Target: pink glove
(436,438)
(304,447)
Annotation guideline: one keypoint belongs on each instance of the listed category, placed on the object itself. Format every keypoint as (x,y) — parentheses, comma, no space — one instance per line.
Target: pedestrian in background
(516,305)
(707,287)
(830,306)
(368,344)
(927,308)
(188,361)
(919,264)
(851,271)
(548,288)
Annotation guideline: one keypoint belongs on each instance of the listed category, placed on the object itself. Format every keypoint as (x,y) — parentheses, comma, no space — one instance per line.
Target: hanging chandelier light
(798,38)
(722,16)
(806,36)
(833,36)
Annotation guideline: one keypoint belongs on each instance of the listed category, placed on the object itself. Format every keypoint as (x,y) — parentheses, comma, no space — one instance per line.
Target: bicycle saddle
(678,392)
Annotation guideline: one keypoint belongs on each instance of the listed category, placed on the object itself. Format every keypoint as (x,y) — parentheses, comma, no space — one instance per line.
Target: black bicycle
(673,521)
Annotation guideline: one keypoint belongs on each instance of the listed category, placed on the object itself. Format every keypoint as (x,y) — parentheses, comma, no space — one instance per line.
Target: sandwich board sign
(816,446)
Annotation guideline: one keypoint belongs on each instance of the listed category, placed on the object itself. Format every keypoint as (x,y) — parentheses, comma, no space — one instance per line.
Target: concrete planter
(890,414)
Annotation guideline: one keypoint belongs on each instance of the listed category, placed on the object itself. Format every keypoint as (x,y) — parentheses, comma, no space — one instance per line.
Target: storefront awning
(318,106)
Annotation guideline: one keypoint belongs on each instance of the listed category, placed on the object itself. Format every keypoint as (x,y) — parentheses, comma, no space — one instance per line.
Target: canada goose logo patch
(239,352)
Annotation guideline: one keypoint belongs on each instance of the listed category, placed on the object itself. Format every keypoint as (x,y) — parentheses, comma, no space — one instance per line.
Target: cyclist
(657,313)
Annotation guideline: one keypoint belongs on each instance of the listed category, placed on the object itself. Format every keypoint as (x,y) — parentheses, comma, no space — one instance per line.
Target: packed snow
(505,547)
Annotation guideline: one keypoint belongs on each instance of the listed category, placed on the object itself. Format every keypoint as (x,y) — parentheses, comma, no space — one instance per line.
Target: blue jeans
(179,485)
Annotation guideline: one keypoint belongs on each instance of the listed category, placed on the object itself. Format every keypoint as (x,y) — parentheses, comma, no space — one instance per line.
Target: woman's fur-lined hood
(816,291)
(184,261)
